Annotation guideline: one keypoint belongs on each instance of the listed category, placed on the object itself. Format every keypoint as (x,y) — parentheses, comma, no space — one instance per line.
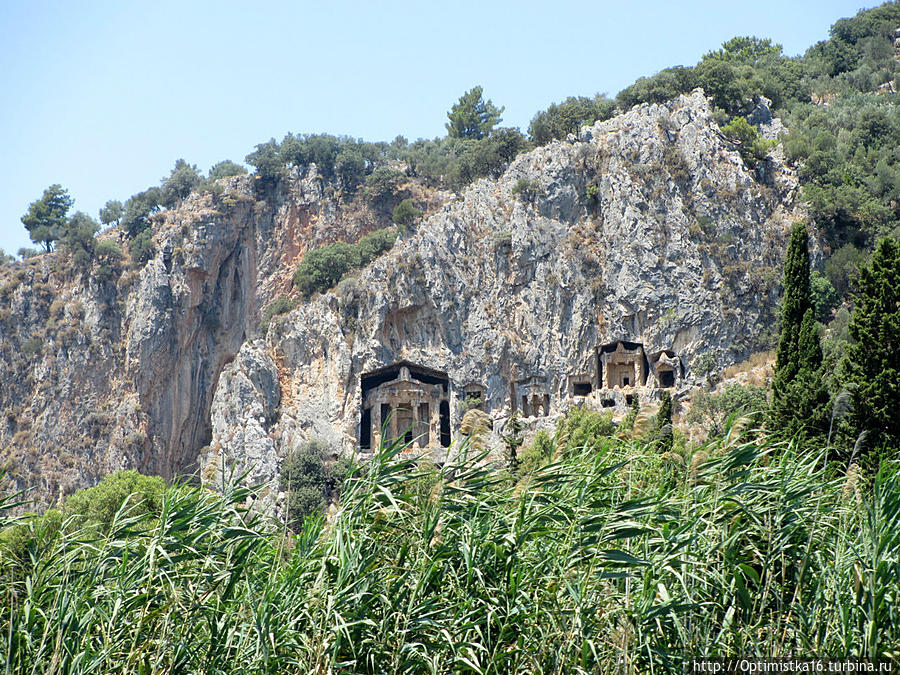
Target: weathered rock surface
(647,227)
(97,376)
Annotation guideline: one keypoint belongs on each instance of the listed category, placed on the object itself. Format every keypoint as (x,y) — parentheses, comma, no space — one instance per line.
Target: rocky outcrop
(101,375)
(647,227)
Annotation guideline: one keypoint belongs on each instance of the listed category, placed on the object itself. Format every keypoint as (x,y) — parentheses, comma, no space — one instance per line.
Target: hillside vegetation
(839,101)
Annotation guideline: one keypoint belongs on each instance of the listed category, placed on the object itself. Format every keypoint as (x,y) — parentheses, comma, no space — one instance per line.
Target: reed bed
(608,559)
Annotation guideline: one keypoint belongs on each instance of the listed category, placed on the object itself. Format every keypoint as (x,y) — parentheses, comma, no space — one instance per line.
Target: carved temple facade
(409,402)
(405,401)
(619,368)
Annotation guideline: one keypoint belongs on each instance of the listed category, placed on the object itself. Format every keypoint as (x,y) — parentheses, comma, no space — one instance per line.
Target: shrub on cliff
(750,145)
(561,119)
(280,305)
(406,213)
(321,268)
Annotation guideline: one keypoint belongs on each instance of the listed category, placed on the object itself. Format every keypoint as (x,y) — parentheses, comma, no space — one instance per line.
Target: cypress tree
(664,435)
(797,299)
(873,364)
(799,396)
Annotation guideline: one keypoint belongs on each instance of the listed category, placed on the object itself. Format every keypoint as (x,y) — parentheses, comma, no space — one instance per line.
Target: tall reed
(606,559)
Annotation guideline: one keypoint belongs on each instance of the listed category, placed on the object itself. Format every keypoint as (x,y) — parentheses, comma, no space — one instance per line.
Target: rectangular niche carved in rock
(622,364)
(405,394)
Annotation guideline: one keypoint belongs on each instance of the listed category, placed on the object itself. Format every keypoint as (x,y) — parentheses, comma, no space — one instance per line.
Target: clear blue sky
(103,97)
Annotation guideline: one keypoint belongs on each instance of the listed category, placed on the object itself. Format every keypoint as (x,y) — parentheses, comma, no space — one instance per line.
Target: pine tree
(46,218)
(873,365)
(472,116)
(799,396)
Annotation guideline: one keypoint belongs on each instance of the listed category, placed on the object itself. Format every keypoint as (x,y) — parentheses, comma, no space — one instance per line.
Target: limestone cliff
(99,374)
(647,228)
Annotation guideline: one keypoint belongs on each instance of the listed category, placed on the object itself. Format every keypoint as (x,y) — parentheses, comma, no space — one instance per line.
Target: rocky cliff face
(647,227)
(98,375)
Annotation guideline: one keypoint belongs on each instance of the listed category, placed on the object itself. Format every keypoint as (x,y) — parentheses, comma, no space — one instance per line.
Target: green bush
(735,399)
(406,213)
(109,257)
(583,428)
(705,364)
(98,505)
(312,479)
(322,268)
(502,240)
(751,146)
(141,248)
(560,120)
(383,183)
(824,296)
(26,541)
(32,346)
(525,188)
(537,454)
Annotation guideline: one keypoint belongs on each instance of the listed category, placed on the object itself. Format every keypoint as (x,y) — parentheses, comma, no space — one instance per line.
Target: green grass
(610,559)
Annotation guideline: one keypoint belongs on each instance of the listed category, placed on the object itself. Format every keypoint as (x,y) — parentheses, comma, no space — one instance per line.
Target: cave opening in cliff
(666,377)
(405,393)
(608,403)
(474,394)
(581,389)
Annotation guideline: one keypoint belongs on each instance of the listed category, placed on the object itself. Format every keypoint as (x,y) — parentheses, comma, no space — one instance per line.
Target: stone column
(375,421)
(434,430)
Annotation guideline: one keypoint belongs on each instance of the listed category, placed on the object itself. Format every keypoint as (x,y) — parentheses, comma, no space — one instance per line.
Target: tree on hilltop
(46,217)
(225,169)
(472,116)
(112,212)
